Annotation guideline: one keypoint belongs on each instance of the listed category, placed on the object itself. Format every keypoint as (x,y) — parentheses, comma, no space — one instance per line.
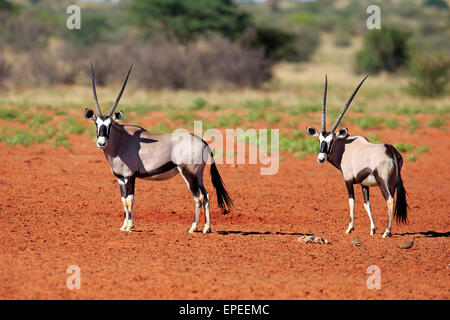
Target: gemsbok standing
(364,163)
(133,152)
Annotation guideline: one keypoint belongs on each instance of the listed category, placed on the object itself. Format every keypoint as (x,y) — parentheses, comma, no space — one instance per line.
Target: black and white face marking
(325,139)
(103,128)
(103,125)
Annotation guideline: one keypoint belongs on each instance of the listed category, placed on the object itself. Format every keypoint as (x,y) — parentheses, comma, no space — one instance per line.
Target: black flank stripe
(164,168)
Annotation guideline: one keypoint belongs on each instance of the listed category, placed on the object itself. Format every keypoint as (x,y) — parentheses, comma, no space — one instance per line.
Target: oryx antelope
(364,163)
(133,152)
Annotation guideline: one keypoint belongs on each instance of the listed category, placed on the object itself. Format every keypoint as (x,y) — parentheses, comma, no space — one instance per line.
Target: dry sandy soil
(62,207)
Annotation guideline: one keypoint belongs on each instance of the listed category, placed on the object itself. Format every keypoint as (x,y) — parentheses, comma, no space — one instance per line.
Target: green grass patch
(8,114)
(436,122)
(38,120)
(272,118)
(413,124)
(422,149)
(197,104)
(392,123)
(73,126)
(61,140)
(160,128)
(404,147)
(302,109)
(19,137)
(369,122)
(229,120)
(213,107)
(297,145)
(185,118)
(373,138)
(254,115)
(257,104)
(411,157)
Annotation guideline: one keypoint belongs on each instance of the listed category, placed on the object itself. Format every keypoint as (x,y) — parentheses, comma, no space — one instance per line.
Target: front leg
(365,191)
(127,194)
(351,204)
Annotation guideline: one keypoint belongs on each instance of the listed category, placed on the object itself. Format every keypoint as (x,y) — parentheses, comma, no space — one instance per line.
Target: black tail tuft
(223,199)
(401,207)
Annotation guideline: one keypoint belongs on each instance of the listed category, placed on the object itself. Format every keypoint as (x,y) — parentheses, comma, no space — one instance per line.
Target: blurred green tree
(441,4)
(383,49)
(184,20)
(431,74)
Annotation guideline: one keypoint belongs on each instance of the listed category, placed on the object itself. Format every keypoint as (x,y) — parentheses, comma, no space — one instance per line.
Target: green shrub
(413,124)
(367,122)
(404,147)
(73,126)
(282,43)
(39,119)
(8,114)
(431,74)
(61,140)
(422,149)
(436,122)
(383,49)
(392,123)
(185,20)
(197,104)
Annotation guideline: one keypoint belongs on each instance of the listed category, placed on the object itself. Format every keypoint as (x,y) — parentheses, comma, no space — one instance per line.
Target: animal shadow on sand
(425,234)
(248,233)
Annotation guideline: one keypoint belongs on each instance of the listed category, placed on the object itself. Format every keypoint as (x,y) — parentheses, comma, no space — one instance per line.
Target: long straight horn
(97,107)
(120,93)
(324,106)
(339,118)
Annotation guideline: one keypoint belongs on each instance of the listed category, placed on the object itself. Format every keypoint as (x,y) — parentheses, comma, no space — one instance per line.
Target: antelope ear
(89,114)
(118,116)
(312,132)
(343,133)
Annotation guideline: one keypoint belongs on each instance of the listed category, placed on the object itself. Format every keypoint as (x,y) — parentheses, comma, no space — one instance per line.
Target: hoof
(386,234)
(207,230)
(372,231)
(349,230)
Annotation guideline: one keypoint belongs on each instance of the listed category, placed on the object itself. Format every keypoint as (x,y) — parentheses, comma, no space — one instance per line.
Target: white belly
(369,181)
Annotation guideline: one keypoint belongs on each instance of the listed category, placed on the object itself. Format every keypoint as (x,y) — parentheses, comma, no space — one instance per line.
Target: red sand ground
(62,207)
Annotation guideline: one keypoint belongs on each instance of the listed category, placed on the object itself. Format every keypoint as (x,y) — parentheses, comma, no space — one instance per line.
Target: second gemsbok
(133,152)
(363,163)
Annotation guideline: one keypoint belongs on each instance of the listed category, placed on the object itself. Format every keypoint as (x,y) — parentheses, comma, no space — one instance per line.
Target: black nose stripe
(323,147)
(103,131)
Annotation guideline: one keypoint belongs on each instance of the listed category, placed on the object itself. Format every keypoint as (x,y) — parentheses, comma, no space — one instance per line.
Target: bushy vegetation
(431,74)
(384,49)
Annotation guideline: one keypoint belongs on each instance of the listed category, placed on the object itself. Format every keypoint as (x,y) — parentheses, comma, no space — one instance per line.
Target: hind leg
(388,196)
(365,191)
(207,228)
(194,188)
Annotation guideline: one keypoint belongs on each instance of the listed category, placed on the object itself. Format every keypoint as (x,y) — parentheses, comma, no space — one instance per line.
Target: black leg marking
(382,185)
(363,174)
(365,190)
(350,190)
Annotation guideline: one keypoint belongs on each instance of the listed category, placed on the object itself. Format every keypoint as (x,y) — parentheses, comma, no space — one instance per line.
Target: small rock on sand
(407,245)
(312,239)
(356,242)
